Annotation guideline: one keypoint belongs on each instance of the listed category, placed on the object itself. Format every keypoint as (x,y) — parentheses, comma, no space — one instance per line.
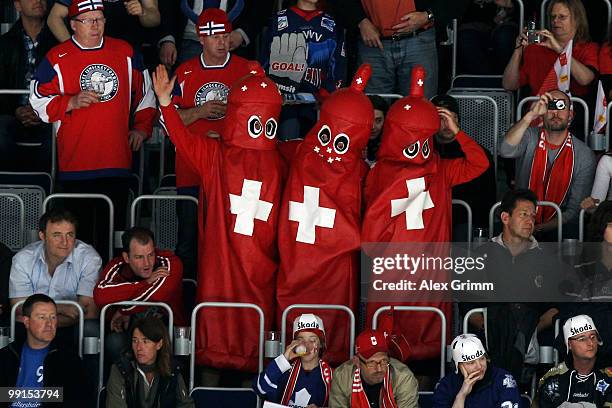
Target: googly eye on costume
(412,150)
(341,143)
(271,127)
(255,127)
(324,135)
(426,150)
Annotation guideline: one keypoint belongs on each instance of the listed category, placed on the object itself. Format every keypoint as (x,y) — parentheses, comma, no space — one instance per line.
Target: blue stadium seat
(224,397)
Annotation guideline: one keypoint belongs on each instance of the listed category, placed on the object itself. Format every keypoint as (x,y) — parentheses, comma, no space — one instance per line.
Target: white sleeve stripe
(261,391)
(60,78)
(269,382)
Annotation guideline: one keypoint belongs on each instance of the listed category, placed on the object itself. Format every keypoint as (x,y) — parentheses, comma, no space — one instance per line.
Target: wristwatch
(430,15)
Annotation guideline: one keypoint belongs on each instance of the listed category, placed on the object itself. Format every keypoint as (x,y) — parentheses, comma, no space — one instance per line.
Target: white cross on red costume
(248,207)
(418,200)
(309,215)
(211,28)
(89,5)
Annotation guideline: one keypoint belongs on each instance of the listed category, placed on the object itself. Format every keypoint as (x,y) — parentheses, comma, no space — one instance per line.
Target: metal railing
(543,203)
(111,212)
(226,305)
(57,302)
(319,307)
(575,99)
(468,210)
(421,309)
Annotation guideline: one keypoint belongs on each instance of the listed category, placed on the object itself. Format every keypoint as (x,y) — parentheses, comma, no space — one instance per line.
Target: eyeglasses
(373,364)
(90,21)
(593,338)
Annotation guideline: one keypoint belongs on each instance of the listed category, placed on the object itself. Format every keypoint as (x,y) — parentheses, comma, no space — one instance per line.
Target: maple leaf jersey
(92,142)
(197,83)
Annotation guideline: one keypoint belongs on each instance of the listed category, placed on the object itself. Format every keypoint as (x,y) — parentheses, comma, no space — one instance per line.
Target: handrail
(57,302)
(421,309)
(111,212)
(156,197)
(469,217)
(227,305)
(319,307)
(103,326)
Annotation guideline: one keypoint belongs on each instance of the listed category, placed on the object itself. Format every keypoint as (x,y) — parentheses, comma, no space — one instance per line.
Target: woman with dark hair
(380,111)
(146,376)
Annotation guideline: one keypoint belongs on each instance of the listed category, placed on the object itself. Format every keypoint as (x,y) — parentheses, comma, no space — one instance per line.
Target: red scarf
(326,376)
(359,398)
(551,184)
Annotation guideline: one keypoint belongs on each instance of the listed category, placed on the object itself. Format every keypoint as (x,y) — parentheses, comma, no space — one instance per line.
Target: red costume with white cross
(408,196)
(241,178)
(320,218)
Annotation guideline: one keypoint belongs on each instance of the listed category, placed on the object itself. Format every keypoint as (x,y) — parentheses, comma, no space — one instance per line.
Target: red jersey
(197,83)
(118,283)
(385,14)
(92,142)
(539,60)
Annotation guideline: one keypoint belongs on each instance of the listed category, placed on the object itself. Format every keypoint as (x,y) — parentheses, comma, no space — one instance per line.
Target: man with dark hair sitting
(525,275)
(40,361)
(59,265)
(142,273)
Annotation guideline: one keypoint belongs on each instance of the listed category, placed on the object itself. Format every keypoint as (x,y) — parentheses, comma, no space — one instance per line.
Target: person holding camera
(550,161)
(535,53)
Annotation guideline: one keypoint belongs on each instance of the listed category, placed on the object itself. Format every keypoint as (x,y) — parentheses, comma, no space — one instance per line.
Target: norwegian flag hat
(82,6)
(213,21)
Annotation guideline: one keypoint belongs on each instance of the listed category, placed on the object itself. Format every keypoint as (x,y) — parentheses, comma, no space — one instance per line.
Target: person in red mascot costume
(241,177)
(408,198)
(320,217)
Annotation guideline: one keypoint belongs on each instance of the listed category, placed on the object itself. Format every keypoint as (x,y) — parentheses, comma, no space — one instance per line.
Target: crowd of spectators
(285,131)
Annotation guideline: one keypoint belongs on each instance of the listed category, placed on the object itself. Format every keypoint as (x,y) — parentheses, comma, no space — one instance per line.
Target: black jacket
(62,368)
(13,62)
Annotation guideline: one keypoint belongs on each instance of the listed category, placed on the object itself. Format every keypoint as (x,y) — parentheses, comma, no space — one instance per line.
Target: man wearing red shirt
(200,96)
(142,273)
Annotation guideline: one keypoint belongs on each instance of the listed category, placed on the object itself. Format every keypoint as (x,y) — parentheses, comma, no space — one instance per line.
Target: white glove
(288,57)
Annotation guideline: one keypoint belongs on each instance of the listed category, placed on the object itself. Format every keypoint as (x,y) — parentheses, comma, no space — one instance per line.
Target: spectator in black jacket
(21,49)
(39,361)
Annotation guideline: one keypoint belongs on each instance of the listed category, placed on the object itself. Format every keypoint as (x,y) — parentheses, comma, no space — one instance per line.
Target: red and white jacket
(118,283)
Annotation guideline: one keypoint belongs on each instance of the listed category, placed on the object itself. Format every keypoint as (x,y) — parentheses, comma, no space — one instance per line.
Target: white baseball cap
(466,347)
(577,325)
(309,322)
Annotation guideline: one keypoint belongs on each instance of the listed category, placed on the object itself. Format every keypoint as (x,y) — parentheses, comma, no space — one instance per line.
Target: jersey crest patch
(211,91)
(328,23)
(602,386)
(509,381)
(283,23)
(100,79)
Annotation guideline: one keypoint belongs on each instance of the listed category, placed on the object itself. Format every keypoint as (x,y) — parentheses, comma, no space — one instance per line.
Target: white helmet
(577,325)
(466,347)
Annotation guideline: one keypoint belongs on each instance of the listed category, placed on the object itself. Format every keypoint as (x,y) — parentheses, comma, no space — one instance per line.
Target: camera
(533,37)
(556,104)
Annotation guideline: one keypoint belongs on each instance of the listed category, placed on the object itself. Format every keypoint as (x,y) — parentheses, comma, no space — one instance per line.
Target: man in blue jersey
(40,362)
